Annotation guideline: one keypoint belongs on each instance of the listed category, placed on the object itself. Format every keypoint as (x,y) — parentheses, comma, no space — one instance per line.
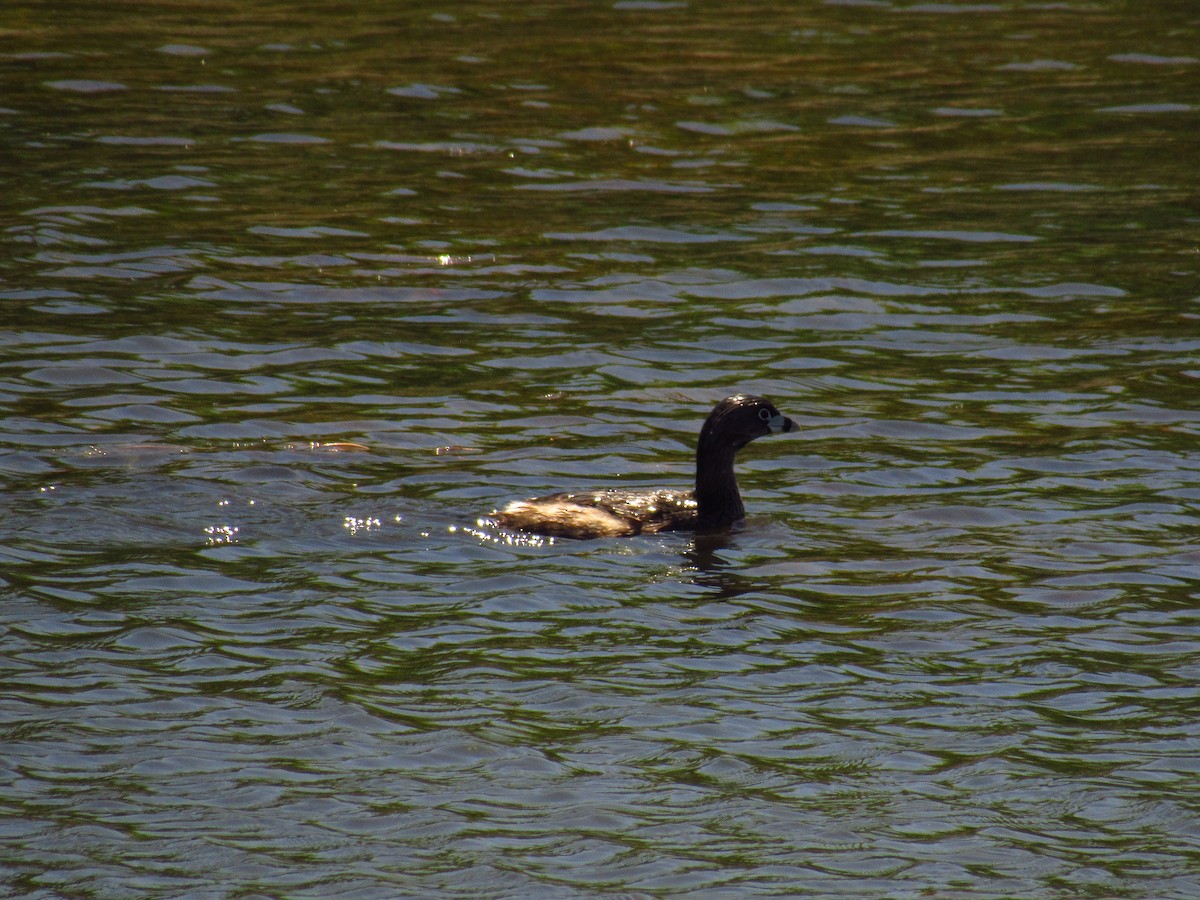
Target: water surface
(290,298)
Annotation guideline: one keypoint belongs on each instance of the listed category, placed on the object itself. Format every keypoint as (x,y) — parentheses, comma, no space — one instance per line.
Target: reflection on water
(289,300)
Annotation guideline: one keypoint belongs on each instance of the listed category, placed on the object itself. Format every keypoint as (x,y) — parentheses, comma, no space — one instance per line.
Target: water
(288,299)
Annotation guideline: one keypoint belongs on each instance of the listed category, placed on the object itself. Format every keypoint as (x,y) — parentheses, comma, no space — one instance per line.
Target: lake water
(290,297)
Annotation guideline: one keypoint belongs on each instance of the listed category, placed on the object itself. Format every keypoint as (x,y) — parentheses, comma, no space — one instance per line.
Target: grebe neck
(718,501)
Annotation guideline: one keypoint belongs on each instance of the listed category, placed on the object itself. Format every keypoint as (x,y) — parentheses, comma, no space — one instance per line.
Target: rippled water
(289,298)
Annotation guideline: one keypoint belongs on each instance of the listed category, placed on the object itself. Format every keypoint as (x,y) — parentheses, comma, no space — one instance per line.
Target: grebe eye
(764,414)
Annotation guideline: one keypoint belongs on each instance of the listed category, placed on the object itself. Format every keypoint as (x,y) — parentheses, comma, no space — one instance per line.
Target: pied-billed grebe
(715,504)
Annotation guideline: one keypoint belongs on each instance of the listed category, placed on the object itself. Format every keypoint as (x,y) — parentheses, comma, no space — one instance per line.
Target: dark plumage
(714,505)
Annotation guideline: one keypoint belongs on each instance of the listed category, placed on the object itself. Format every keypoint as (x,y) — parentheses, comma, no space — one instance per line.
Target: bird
(714,505)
